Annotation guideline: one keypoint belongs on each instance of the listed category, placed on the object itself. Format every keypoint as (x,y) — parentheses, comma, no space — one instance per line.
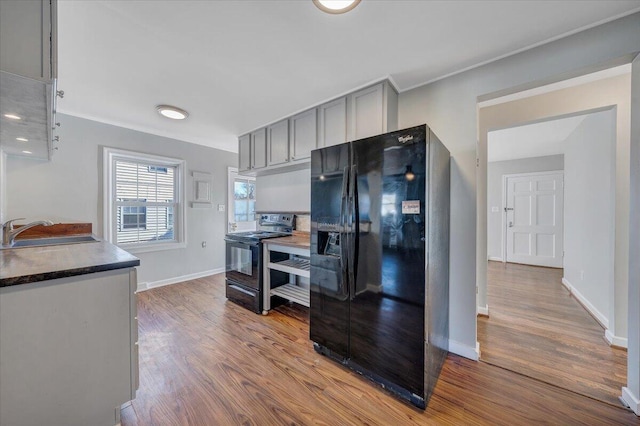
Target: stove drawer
(244,296)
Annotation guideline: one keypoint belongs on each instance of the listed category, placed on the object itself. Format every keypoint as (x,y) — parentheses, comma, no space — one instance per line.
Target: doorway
(544,322)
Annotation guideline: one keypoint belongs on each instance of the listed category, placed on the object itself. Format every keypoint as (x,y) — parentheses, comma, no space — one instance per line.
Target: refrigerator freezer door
(387,319)
(329,298)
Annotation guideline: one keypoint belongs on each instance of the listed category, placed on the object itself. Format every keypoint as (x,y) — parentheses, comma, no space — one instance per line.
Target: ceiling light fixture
(13,116)
(22,139)
(172,112)
(336,6)
(27,152)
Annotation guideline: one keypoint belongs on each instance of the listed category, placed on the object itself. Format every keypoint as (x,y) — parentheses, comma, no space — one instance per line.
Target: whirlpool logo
(405,139)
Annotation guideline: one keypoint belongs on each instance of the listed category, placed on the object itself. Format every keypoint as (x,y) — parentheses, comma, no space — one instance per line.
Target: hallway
(538,329)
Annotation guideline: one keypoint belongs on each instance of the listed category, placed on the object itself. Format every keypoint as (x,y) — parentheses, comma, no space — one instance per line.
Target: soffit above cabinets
(28,99)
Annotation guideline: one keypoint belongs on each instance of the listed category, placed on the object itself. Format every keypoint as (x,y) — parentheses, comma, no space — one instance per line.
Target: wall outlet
(221,207)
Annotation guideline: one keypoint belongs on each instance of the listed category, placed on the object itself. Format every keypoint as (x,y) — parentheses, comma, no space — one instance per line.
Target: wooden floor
(205,361)
(538,329)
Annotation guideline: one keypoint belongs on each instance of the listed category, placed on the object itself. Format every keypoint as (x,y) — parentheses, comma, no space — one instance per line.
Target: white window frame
(109,157)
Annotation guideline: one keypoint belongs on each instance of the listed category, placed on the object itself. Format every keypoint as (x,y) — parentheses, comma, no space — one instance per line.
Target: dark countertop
(30,264)
(298,240)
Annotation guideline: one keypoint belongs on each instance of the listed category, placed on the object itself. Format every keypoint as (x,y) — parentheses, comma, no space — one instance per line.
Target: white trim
(464,350)
(631,400)
(620,342)
(3,184)
(108,185)
(483,310)
(182,278)
(495,258)
(596,314)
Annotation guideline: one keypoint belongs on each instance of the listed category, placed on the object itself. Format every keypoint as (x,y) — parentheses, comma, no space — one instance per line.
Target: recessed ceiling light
(172,112)
(13,116)
(27,152)
(22,139)
(336,6)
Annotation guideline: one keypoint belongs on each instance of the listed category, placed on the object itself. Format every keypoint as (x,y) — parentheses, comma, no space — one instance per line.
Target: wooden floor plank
(538,329)
(206,361)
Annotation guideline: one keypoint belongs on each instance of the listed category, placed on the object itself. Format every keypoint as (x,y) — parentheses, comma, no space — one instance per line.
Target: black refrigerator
(379,277)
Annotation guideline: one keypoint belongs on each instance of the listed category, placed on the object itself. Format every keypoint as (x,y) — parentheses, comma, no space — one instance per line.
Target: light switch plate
(221,207)
(495,209)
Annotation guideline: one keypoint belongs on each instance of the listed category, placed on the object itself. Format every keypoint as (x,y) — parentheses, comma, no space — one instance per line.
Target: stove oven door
(243,263)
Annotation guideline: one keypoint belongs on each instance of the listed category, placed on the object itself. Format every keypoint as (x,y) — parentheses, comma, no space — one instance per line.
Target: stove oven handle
(231,240)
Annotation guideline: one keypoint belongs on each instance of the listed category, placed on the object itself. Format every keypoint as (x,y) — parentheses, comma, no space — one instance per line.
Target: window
(144,201)
(133,217)
(242,201)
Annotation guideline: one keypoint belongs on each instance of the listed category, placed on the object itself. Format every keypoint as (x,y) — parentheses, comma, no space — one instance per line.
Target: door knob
(510,224)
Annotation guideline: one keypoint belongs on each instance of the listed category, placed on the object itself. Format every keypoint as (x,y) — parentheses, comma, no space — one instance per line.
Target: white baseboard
(631,400)
(182,278)
(483,310)
(614,340)
(495,258)
(604,321)
(465,350)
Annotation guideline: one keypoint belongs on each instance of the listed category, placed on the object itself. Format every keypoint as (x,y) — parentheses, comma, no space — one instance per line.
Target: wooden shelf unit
(298,265)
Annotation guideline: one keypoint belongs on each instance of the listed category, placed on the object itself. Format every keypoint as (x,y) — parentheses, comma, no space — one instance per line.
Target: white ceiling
(238,65)
(531,140)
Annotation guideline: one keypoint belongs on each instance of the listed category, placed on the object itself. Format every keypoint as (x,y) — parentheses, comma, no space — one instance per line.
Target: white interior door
(242,202)
(534,219)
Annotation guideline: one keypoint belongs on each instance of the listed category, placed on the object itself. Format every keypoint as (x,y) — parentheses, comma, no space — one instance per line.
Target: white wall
(495,171)
(284,192)
(449,107)
(69,188)
(589,212)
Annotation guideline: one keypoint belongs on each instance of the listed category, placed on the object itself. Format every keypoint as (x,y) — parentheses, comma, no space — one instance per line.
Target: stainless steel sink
(41,242)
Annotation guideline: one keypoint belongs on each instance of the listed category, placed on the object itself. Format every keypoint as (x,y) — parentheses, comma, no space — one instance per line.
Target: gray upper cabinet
(332,126)
(28,38)
(28,77)
(259,149)
(286,145)
(244,153)
(278,143)
(303,134)
(373,111)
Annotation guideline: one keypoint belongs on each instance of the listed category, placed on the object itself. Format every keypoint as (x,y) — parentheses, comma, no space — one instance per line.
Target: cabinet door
(367,112)
(27,31)
(303,134)
(259,149)
(332,127)
(244,153)
(278,142)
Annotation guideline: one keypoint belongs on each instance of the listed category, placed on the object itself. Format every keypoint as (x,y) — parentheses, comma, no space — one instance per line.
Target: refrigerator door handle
(344,244)
(352,231)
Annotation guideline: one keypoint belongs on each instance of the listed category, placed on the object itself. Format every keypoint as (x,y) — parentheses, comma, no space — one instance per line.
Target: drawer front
(244,296)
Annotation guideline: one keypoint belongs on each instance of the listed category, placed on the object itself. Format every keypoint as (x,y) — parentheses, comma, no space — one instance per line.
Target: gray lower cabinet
(68,349)
(303,134)
(278,143)
(332,123)
(244,153)
(259,149)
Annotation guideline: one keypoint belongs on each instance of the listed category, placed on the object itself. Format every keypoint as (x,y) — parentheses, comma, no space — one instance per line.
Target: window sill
(147,248)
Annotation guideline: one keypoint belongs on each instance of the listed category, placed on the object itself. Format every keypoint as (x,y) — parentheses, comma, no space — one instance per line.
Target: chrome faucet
(9,234)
